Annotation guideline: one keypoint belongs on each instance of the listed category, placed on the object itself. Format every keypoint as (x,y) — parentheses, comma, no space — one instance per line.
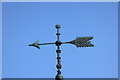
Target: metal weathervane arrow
(78,42)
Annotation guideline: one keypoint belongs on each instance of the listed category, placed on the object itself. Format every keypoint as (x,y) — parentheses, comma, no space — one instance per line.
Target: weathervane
(79,42)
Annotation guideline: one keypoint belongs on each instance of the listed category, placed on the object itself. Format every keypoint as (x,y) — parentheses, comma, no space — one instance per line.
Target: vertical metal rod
(58,51)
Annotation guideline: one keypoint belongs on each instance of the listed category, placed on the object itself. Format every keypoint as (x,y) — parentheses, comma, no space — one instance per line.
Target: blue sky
(0,40)
(24,23)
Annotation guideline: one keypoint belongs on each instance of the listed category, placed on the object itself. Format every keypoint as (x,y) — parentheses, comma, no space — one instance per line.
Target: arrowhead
(35,44)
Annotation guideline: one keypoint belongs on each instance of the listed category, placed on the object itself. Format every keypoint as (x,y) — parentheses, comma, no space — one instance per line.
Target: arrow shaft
(65,42)
(46,43)
(53,43)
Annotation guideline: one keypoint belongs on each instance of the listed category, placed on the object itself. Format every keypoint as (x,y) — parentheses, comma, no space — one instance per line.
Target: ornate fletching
(82,42)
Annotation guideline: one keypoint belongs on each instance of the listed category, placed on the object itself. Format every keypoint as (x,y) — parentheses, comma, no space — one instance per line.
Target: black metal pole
(58,51)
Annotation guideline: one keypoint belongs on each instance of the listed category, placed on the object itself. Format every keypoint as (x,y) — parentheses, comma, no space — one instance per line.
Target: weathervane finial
(78,42)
